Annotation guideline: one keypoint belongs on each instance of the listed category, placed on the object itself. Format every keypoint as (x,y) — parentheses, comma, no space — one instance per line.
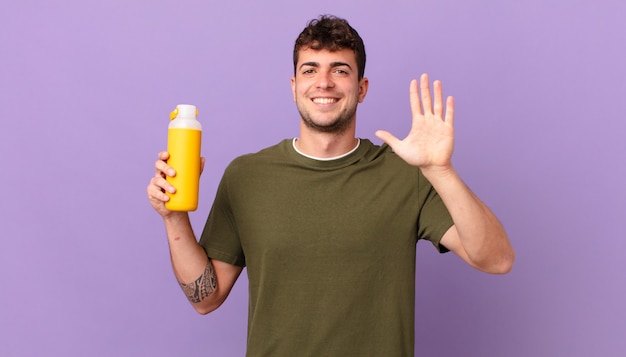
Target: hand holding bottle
(175,186)
(159,185)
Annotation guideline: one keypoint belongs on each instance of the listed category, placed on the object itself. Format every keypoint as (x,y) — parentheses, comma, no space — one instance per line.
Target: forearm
(191,266)
(481,234)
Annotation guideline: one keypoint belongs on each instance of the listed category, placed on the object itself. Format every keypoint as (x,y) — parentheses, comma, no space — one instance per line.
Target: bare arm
(205,282)
(477,236)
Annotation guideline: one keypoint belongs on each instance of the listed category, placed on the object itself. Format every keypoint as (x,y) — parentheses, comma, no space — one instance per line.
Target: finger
(159,196)
(162,185)
(162,168)
(156,190)
(414,98)
(164,155)
(201,165)
(450,110)
(438,105)
(388,138)
(425,89)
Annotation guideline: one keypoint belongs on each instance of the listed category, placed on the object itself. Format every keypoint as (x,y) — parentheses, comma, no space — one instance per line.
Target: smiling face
(326,89)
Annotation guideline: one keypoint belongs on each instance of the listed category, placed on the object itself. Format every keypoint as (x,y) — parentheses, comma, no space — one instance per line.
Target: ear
(363,86)
(293,87)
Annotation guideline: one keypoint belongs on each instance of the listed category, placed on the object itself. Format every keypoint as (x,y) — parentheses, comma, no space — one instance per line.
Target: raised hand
(430,142)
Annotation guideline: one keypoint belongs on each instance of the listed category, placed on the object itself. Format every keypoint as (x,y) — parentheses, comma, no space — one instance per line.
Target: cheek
(297,95)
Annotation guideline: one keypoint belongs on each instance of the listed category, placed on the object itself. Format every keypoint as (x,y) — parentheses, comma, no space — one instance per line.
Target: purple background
(86,88)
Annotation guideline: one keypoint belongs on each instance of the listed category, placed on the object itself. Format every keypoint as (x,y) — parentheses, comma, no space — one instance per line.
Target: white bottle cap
(186,111)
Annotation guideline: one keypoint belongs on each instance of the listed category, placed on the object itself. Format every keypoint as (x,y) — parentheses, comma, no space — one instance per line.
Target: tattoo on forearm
(201,288)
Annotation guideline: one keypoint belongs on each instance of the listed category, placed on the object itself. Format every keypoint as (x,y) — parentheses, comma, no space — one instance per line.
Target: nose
(325,80)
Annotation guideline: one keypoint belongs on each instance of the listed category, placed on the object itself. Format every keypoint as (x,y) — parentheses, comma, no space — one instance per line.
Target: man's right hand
(158,185)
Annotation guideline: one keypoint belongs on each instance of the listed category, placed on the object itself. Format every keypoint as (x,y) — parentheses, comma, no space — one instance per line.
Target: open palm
(431,139)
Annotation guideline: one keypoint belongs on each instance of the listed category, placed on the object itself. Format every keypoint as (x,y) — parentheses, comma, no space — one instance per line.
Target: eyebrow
(332,64)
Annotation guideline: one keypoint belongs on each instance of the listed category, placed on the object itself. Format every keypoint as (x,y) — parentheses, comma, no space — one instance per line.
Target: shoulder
(384,155)
(258,159)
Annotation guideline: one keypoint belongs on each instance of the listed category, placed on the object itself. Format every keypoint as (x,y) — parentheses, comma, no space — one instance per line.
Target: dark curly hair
(331,33)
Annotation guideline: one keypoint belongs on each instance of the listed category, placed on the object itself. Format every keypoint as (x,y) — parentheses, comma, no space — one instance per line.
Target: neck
(325,145)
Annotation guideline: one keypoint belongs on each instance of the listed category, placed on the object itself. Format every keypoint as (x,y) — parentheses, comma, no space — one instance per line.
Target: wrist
(174,217)
(438,173)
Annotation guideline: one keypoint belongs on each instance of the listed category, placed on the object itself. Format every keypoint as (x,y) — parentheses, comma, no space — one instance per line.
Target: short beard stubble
(337,126)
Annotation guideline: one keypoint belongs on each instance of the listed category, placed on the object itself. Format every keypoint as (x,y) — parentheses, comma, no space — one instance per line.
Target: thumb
(387,137)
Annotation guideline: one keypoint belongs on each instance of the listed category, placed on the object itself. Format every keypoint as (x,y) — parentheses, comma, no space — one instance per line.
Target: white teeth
(324,100)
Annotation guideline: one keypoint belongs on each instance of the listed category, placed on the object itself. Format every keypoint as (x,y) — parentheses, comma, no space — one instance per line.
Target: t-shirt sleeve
(220,238)
(434,219)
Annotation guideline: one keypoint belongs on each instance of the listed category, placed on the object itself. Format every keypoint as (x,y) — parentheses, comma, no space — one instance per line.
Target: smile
(324,100)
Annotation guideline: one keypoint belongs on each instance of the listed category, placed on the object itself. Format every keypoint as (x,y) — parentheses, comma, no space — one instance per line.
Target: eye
(308,71)
(341,71)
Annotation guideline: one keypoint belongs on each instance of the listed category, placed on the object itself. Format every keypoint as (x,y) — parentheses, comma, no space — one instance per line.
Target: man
(327,223)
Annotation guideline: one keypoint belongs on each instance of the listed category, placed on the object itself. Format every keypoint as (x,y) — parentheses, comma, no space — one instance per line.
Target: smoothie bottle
(184,139)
